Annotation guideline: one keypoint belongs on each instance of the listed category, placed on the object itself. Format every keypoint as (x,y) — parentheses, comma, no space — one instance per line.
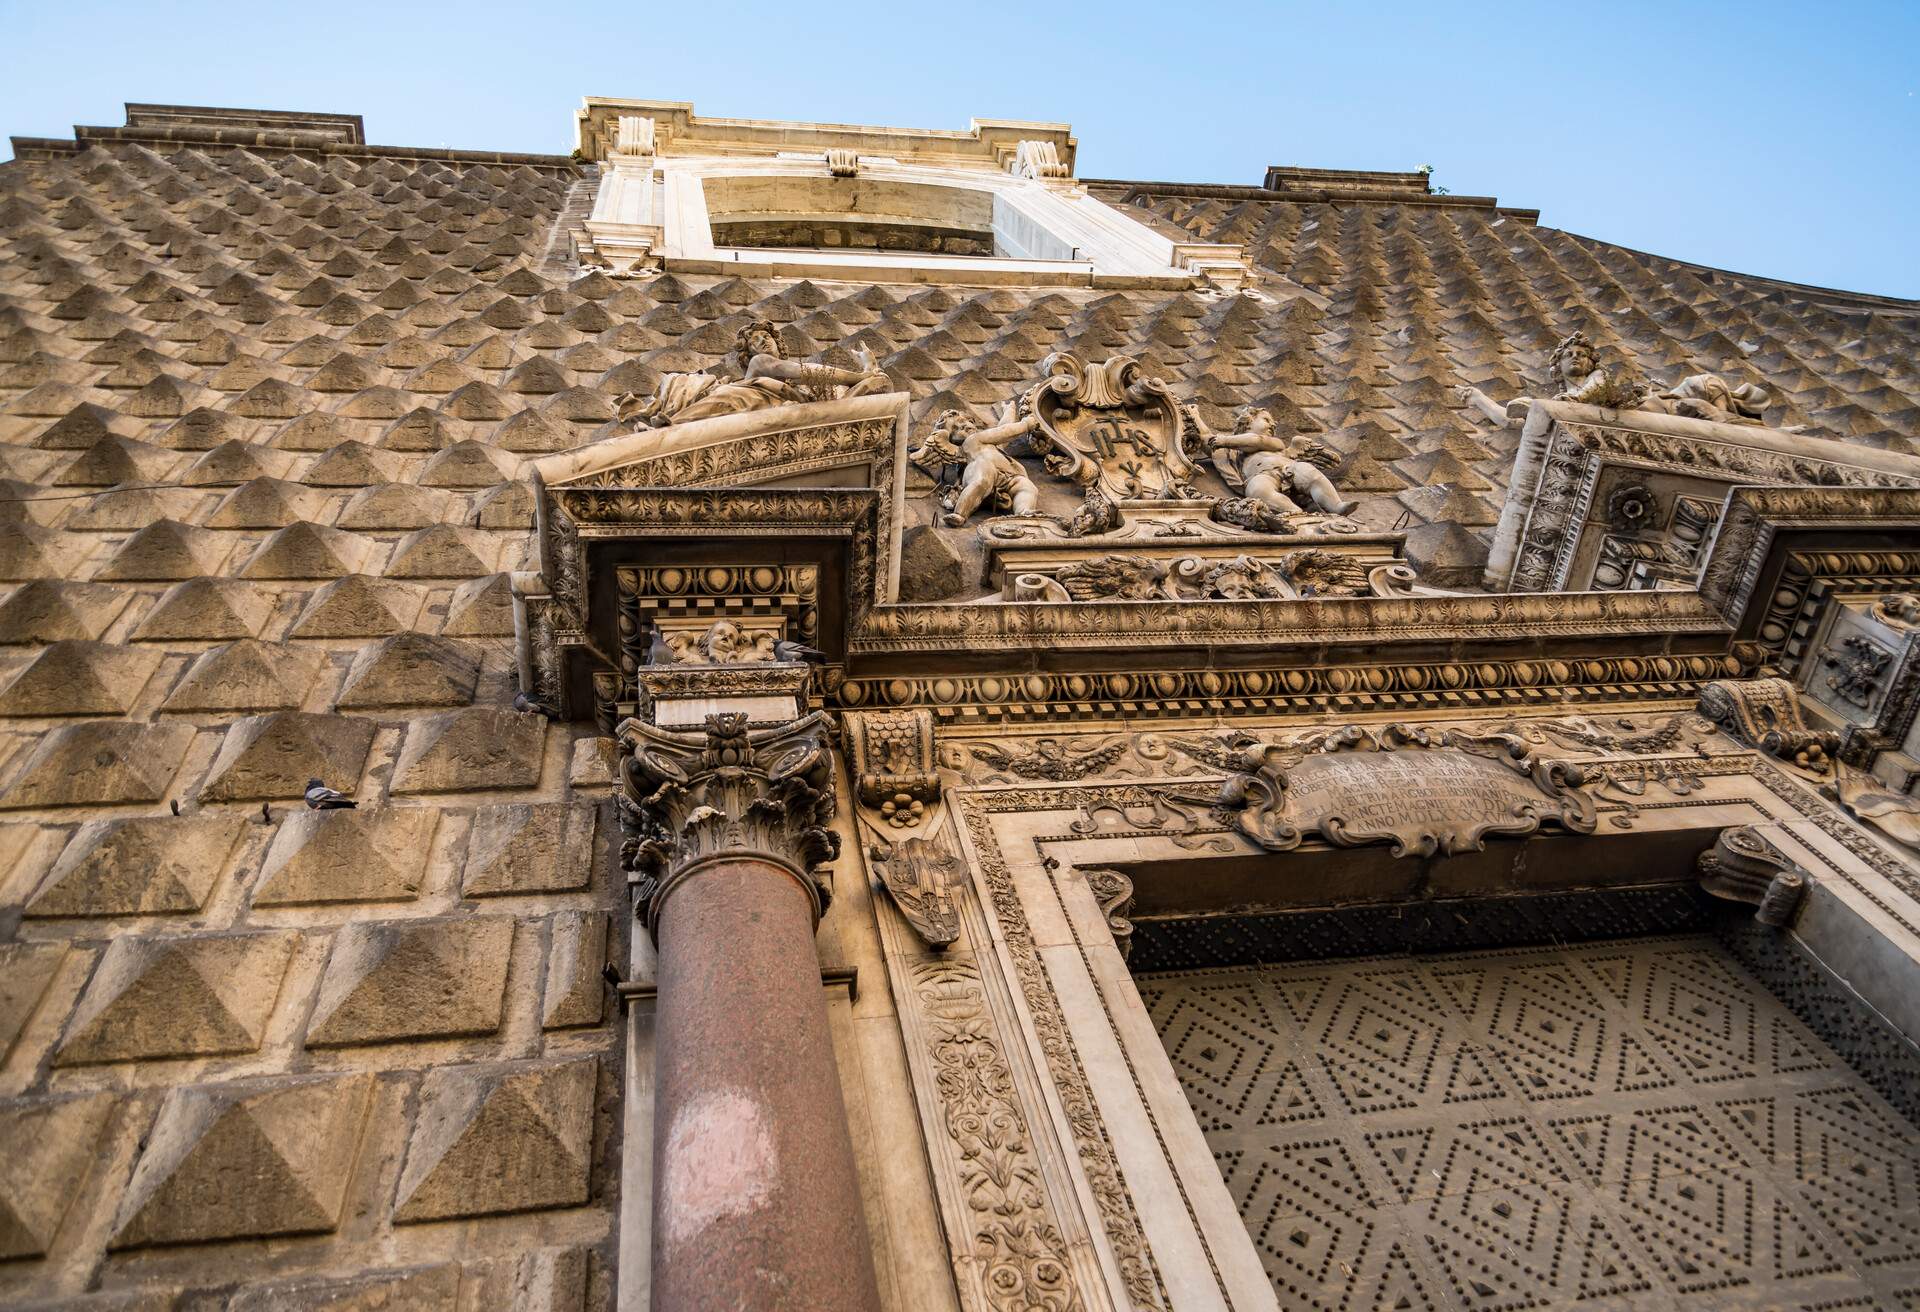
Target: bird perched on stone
(787,650)
(526,705)
(266,813)
(322,798)
(658,652)
(175,804)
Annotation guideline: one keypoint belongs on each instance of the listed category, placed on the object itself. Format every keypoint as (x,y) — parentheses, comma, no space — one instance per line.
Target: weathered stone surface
(308,551)
(177,997)
(167,549)
(576,992)
(411,669)
(443,551)
(930,568)
(274,755)
(475,748)
(412,979)
(47,610)
(481,608)
(425,1289)
(530,847)
(592,765)
(359,606)
(75,677)
(145,865)
(500,1139)
(248,675)
(206,610)
(49,1148)
(247,1159)
(25,969)
(105,761)
(365,855)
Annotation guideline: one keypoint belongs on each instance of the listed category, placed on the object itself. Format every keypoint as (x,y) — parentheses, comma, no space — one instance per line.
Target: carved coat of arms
(1112,428)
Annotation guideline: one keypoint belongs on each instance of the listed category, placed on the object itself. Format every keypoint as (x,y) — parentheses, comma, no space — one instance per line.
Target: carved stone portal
(1424,791)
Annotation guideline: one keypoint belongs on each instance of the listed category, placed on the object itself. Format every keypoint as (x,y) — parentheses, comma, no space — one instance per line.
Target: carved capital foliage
(1741,866)
(1422,790)
(1765,714)
(920,876)
(692,798)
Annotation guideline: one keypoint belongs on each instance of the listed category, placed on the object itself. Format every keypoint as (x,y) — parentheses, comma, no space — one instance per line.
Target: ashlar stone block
(106,761)
(76,677)
(422,1289)
(530,847)
(274,755)
(245,1160)
(147,865)
(576,993)
(49,1146)
(412,669)
(490,1139)
(413,979)
(481,608)
(205,610)
(25,970)
(359,606)
(48,610)
(248,675)
(470,749)
(366,855)
(178,997)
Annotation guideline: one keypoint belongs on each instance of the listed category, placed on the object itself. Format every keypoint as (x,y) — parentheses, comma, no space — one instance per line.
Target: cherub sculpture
(987,468)
(1575,374)
(1265,467)
(767,378)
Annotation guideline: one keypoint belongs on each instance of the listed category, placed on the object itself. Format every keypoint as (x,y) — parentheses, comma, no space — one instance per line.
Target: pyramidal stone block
(75,677)
(492,1139)
(248,675)
(481,608)
(47,610)
(470,749)
(245,1160)
(576,993)
(412,669)
(49,1147)
(359,606)
(421,1289)
(366,855)
(148,865)
(205,610)
(273,756)
(102,762)
(529,847)
(413,979)
(178,997)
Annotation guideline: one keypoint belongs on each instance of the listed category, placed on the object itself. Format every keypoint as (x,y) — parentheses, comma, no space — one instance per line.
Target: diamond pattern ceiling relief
(1634,1124)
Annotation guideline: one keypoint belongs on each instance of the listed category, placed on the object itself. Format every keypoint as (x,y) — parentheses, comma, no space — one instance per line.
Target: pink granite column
(755,1202)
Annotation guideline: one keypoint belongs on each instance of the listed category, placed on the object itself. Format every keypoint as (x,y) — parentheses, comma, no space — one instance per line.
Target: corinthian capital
(694,797)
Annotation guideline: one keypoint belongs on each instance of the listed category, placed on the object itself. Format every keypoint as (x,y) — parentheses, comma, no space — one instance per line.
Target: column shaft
(756,1201)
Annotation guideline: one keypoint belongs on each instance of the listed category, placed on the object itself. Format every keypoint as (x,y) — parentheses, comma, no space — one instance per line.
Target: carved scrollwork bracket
(1114,892)
(691,798)
(1741,866)
(1765,714)
(892,758)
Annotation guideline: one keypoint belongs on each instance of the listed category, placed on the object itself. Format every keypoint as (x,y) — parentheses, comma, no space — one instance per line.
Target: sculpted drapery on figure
(767,378)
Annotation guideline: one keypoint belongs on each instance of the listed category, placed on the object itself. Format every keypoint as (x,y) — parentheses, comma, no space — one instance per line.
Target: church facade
(795,716)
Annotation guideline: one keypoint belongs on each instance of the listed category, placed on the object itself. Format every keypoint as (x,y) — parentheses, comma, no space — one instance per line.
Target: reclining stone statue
(767,378)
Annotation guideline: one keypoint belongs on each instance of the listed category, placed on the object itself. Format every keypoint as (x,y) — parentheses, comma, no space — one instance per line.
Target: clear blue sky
(1767,138)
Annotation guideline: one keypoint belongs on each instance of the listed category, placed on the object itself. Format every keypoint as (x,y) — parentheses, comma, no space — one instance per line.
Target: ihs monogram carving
(1112,428)
(690,796)
(1421,790)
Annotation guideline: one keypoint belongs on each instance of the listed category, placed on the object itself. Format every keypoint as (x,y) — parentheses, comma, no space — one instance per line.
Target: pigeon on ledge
(322,798)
